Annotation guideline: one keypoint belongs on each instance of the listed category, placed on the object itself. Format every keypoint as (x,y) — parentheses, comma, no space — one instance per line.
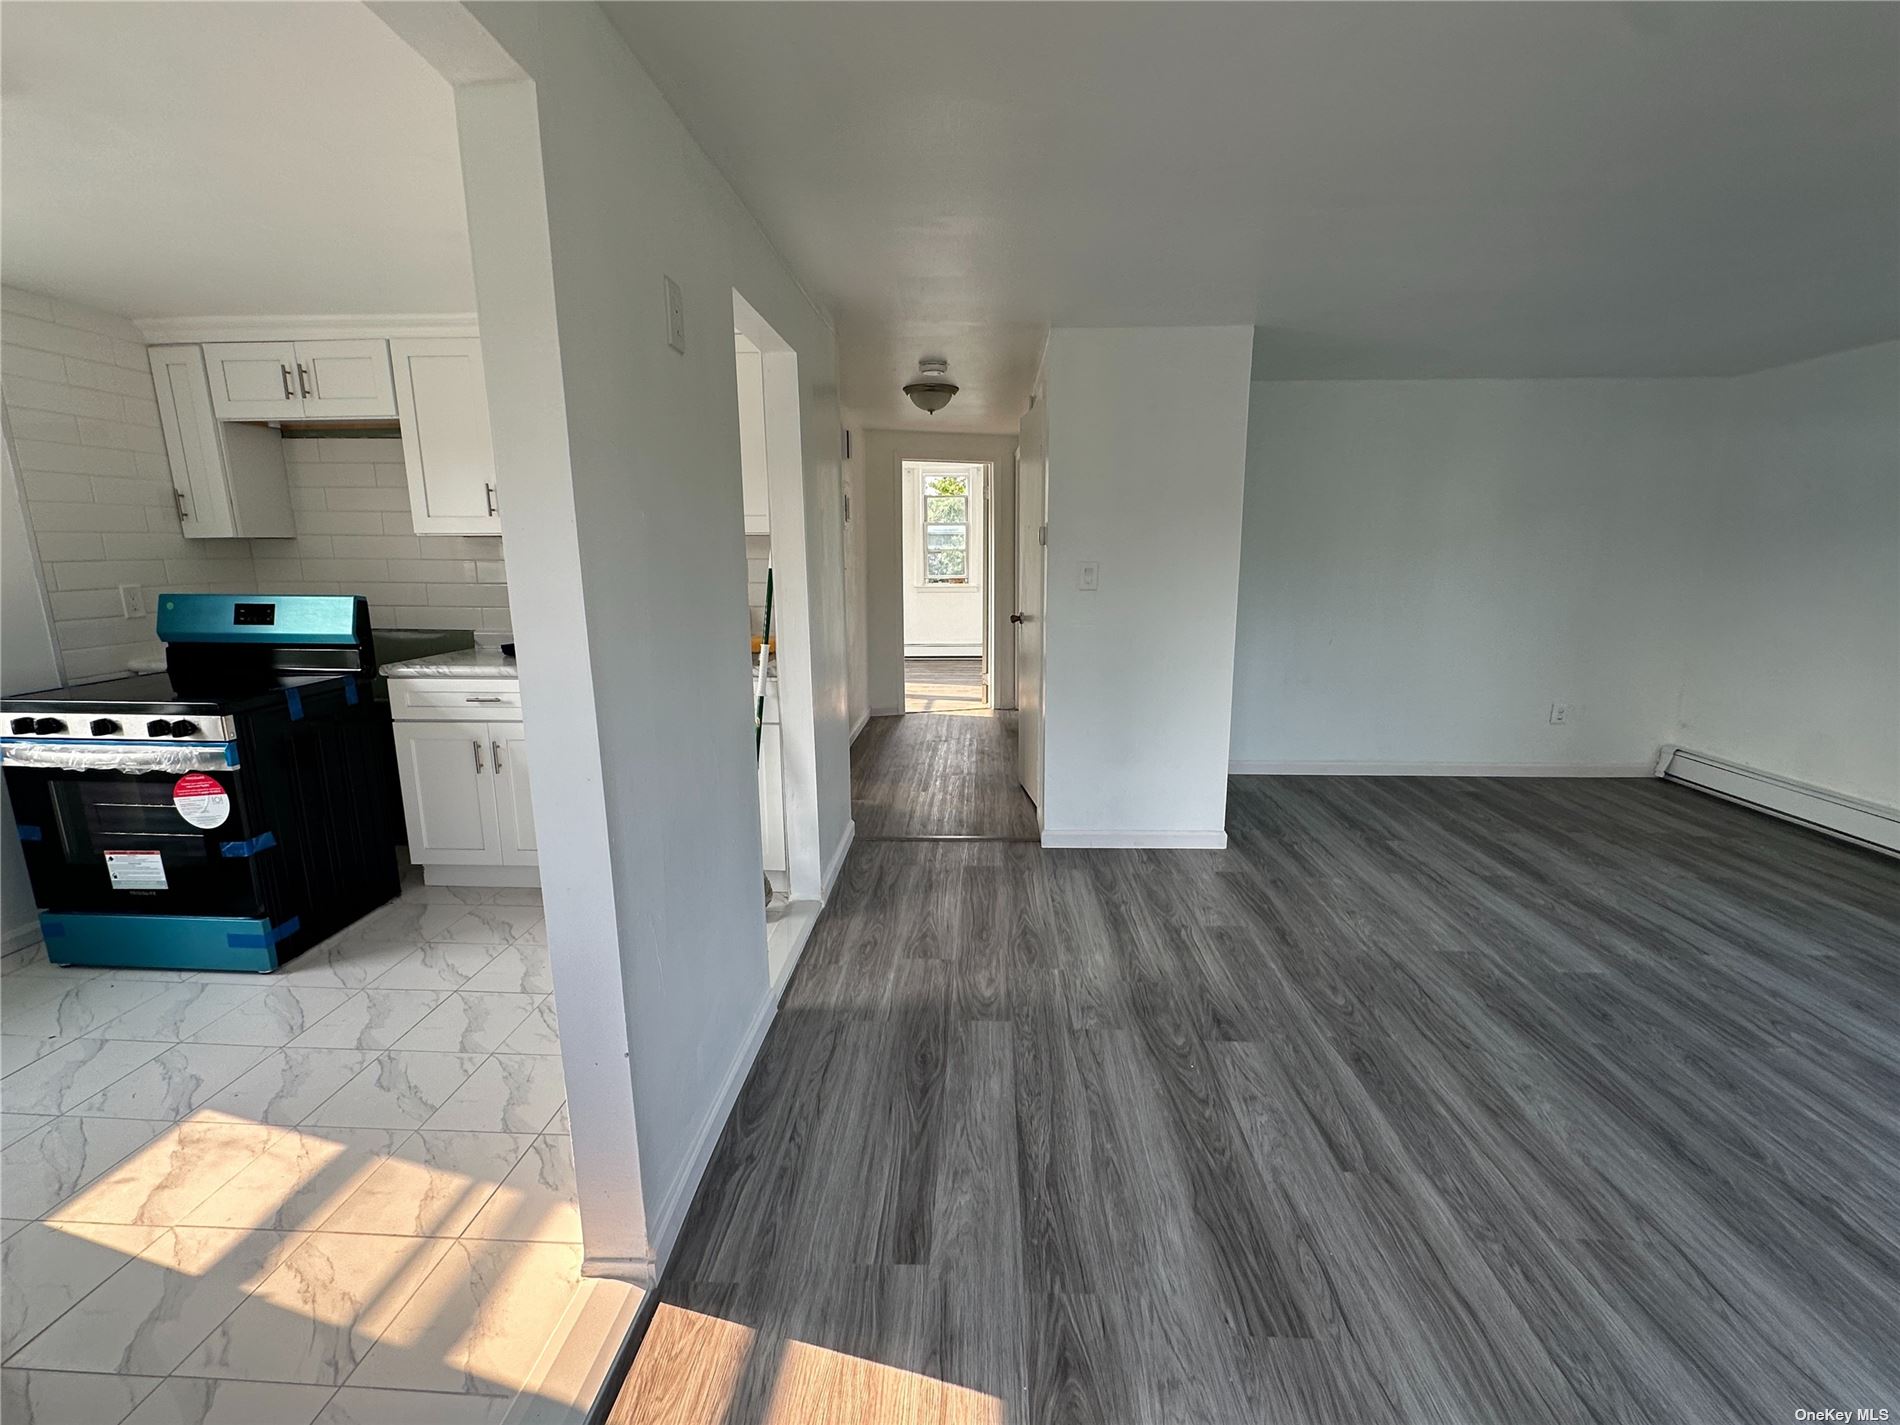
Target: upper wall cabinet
(446,445)
(228,481)
(303,380)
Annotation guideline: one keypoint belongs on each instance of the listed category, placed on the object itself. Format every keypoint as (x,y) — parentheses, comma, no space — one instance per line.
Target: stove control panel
(130,726)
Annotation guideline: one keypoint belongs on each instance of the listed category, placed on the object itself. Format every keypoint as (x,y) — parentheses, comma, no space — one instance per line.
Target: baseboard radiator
(1863,823)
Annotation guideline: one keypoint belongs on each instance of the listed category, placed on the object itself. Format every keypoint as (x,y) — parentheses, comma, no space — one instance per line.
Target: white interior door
(448,793)
(514,809)
(1032,514)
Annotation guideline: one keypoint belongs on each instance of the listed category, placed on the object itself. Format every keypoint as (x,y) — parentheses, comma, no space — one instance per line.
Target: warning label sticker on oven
(201,800)
(136,870)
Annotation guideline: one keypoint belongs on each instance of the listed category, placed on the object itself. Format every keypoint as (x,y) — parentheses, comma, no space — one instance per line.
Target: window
(946,511)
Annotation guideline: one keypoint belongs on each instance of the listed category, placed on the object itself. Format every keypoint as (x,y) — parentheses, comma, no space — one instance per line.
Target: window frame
(967,580)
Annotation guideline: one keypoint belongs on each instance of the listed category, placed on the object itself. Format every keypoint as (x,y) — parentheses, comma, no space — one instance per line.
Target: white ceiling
(194,159)
(1384,190)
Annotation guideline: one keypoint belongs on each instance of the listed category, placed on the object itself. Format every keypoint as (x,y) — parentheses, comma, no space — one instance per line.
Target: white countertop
(478,662)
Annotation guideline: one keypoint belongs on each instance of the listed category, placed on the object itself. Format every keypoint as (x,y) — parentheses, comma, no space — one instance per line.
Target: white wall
(28,661)
(857,612)
(1792,636)
(943,620)
(884,454)
(1430,564)
(1147,449)
(633,619)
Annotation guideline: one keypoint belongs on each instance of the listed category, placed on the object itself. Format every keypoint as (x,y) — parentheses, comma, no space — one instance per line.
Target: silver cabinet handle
(289,395)
(495,747)
(178,498)
(489,491)
(478,754)
(481,700)
(303,379)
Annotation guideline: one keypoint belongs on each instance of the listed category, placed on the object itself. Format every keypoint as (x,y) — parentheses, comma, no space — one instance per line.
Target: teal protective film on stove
(293,618)
(163,942)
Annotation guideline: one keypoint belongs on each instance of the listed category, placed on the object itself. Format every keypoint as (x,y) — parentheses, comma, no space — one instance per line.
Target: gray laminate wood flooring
(1455,1101)
(939,774)
(943,684)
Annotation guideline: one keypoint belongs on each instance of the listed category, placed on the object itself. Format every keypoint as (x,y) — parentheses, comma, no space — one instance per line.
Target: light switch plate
(1088,576)
(675,317)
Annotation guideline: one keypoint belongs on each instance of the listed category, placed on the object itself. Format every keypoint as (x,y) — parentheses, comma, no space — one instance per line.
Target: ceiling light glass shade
(930,396)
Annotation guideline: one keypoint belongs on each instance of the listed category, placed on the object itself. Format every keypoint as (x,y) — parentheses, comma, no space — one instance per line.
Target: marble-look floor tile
(15,1126)
(559,1124)
(535,934)
(275,1017)
(468,1023)
(521,969)
(174,1083)
(516,895)
(509,1093)
(536,1202)
(434,1184)
(445,965)
(47,1270)
(162,1180)
(70,1398)
(10,1225)
(151,1313)
(19,1050)
(493,923)
(60,1081)
(78,1008)
(184,1401)
(26,957)
(316,1317)
(355,1405)
(178,1011)
(422,893)
(370,1019)
(478,1322)
(399,1089)
(539,1032)
(288,1085)
(299,1180)
(50,1164)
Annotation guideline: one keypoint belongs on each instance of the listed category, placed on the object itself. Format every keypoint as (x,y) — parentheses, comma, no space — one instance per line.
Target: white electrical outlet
(1088,576)
(1559,714)
(132,600)
(675,317)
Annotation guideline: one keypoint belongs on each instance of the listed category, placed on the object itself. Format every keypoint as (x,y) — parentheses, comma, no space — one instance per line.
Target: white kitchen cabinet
(446,445)
(514,812)
(346,379)
(448,793)
(462,758)
(228,481)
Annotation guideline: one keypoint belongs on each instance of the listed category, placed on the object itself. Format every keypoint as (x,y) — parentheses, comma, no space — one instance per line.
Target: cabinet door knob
(477,745)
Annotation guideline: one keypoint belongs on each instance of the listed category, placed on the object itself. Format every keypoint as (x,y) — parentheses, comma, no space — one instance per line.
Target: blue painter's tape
(262,842)
(349,692)
(294,701)
(32,833)
(50,929)
(259,940)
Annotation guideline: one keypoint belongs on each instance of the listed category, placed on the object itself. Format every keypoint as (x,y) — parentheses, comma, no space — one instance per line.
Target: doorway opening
(947,585)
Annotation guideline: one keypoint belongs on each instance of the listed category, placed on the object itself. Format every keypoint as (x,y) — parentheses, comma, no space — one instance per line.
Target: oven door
(136,842)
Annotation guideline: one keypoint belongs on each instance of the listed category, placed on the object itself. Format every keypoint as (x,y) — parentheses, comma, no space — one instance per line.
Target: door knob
(1015,618)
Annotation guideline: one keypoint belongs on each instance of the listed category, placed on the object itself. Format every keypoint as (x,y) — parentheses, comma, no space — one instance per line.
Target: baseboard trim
(1135,840)
(1863,823)
(884,712)
(862,723)
(1243,767)
(835,867)
(567,1380)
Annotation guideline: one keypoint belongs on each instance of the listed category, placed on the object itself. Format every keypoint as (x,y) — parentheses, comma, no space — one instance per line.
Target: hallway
(1425,1100)
(933,774)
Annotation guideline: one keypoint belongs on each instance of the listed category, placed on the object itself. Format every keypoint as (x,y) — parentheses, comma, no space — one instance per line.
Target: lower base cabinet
(465,793)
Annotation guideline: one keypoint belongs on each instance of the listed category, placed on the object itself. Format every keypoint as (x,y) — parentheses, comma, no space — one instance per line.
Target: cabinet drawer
(492,699)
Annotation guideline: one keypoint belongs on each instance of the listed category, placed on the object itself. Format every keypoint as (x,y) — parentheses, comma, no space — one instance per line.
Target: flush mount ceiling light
(931,393)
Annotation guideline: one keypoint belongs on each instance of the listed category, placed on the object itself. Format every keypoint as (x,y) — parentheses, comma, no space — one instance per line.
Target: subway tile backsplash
(91,460)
